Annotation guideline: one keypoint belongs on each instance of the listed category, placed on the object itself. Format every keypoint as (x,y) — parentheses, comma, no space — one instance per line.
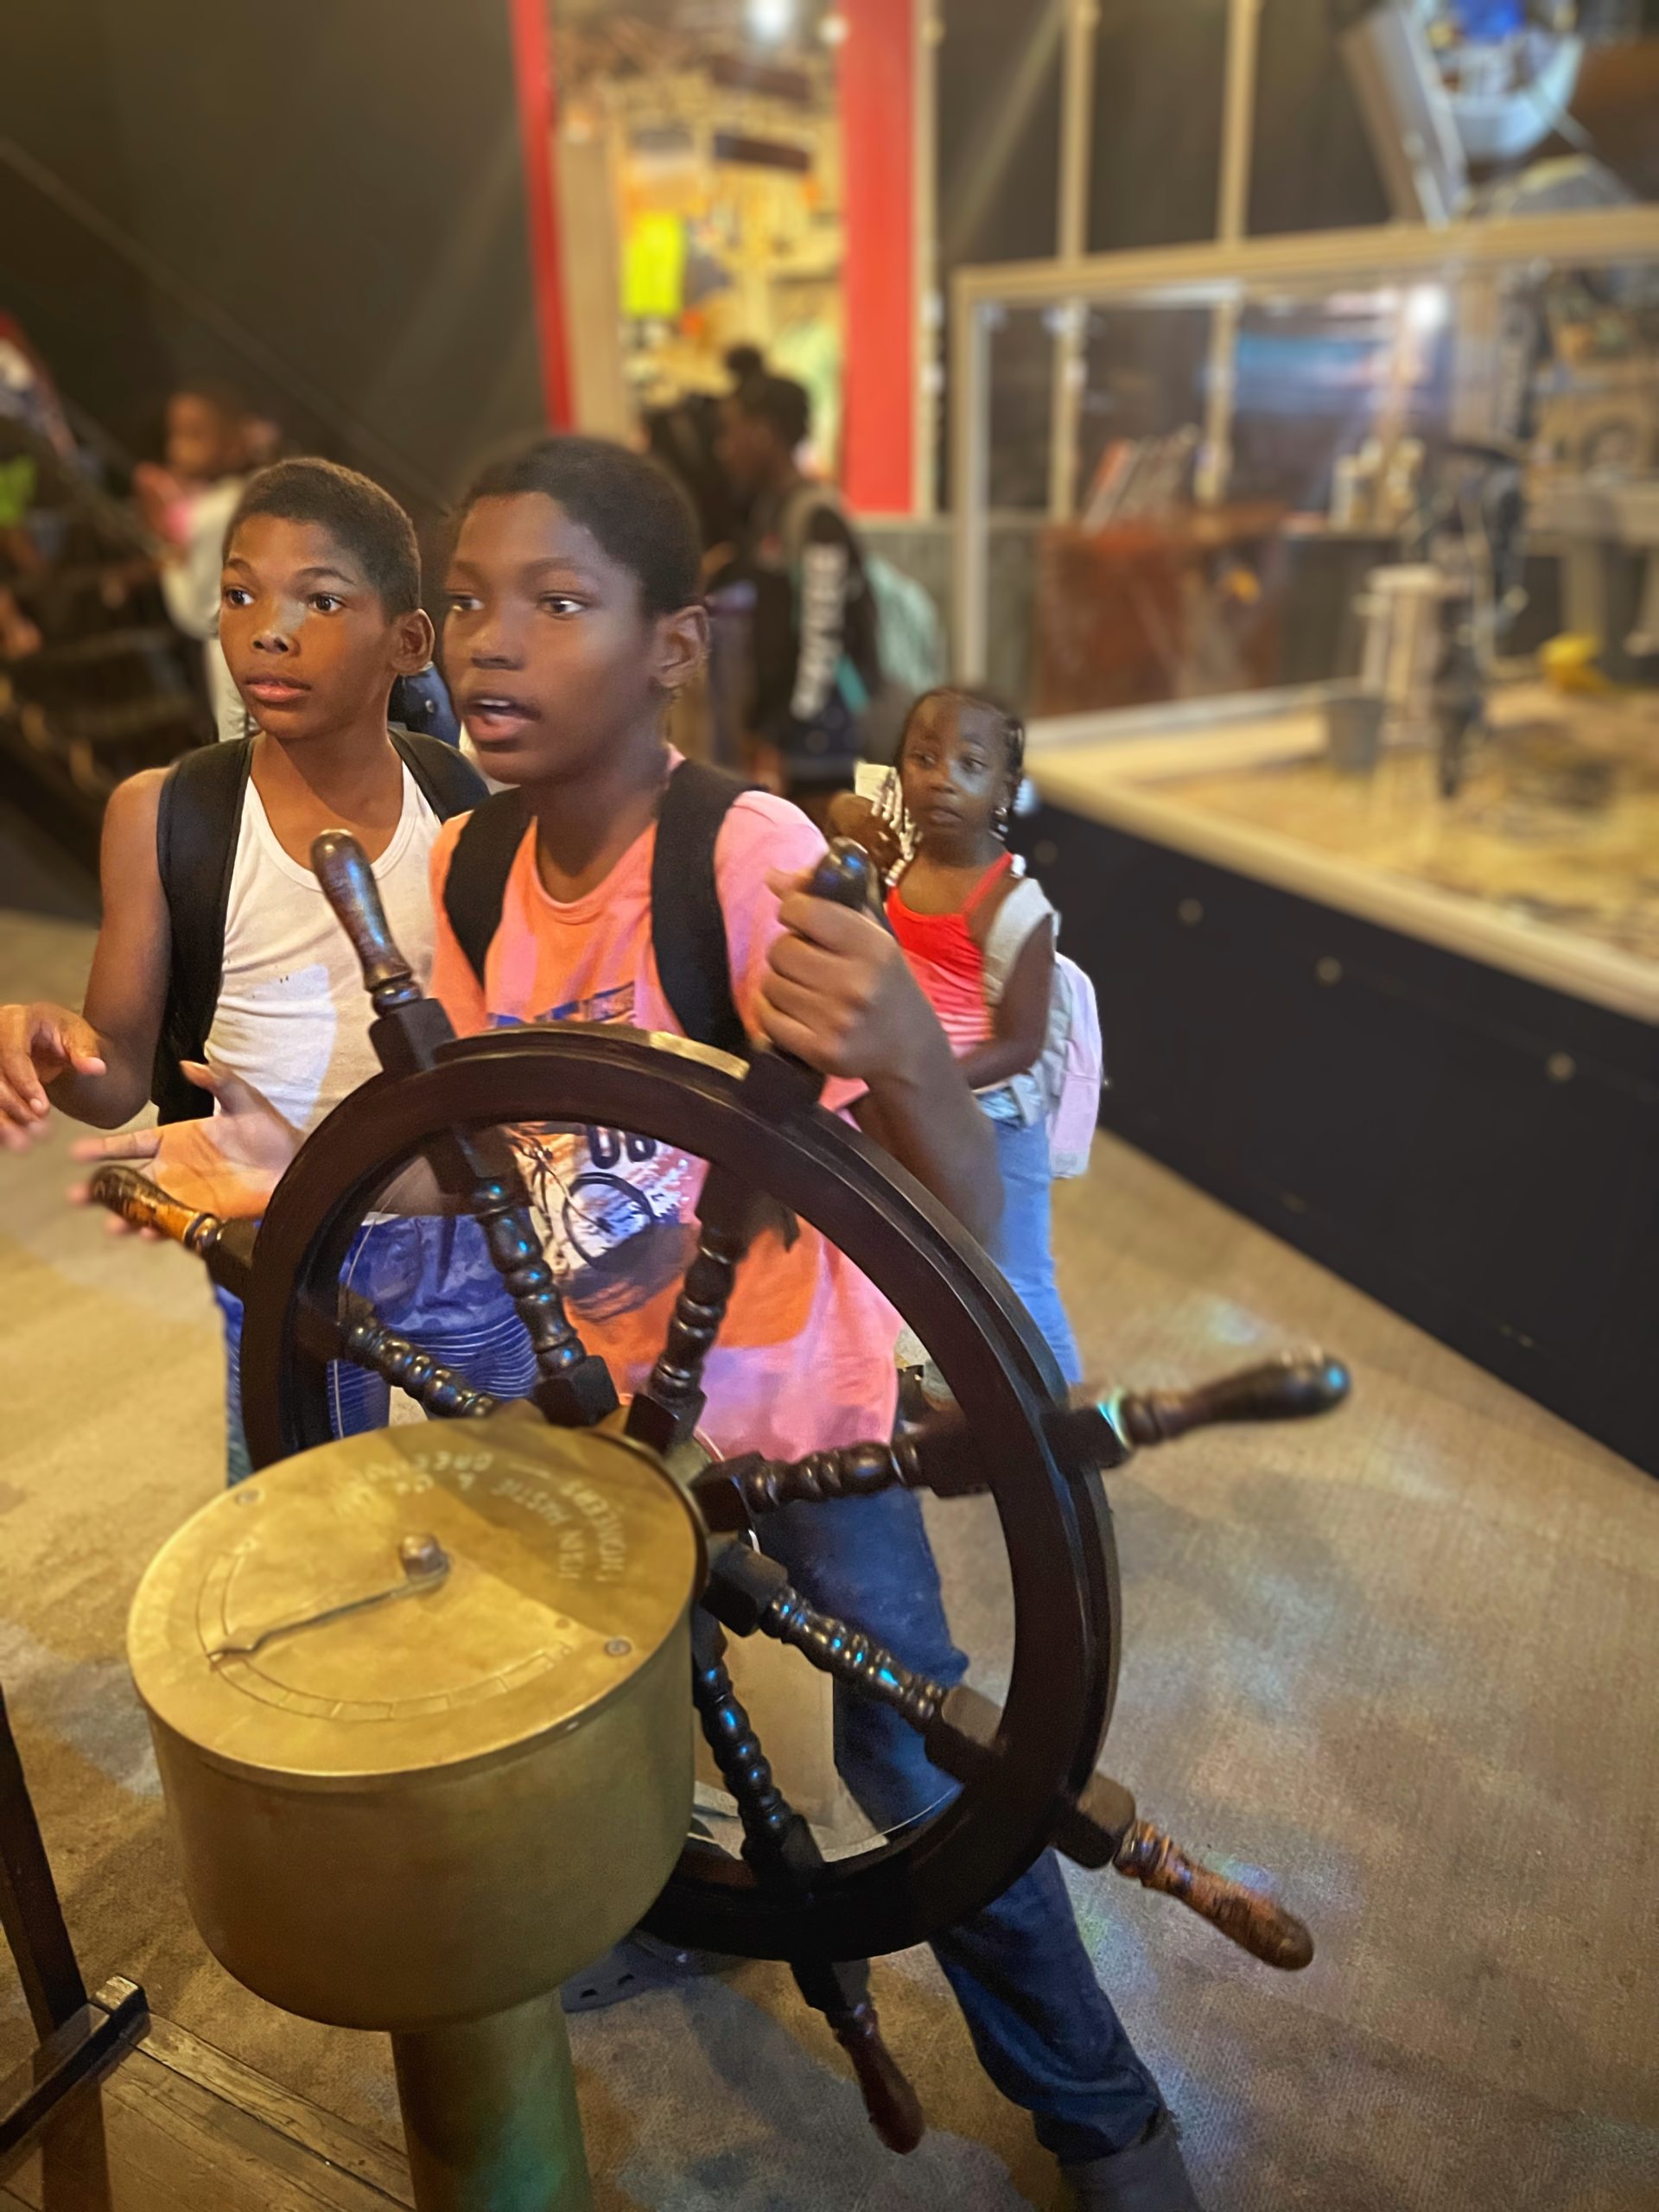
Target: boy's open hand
(227,1165)
(39,1043)
(838,993)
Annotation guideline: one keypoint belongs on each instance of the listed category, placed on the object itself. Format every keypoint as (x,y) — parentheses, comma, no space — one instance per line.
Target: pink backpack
(1069,1074)
(1073,1069)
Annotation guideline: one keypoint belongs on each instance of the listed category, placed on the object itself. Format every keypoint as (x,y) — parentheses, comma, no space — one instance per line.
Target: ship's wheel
(1016,1775)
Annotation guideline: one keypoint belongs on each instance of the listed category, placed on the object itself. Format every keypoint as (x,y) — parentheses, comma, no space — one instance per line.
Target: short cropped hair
(780,404)
(630,506)
(363,520)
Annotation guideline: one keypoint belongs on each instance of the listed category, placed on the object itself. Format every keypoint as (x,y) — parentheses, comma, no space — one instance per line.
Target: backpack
(1068,1074)
(1072,1071)
(910,639)
(197,823)
(688,928)
(909,635)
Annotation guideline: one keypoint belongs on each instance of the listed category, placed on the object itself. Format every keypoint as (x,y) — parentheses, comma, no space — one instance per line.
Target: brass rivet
(618,1647)
(1561,1067)
(1328,970)
(1191,911)
(1047,854)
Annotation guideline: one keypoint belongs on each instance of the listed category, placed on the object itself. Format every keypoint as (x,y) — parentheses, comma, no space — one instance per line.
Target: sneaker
(1151,2176)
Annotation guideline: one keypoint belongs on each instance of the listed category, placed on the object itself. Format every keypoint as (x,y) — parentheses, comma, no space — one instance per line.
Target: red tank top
(945,961)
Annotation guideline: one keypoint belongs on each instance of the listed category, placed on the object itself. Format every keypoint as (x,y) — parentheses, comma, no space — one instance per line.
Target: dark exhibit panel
(335,222)
(1478,1151)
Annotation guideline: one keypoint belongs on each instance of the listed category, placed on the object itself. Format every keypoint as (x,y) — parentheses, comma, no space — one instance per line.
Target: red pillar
(877,134)
(533,81)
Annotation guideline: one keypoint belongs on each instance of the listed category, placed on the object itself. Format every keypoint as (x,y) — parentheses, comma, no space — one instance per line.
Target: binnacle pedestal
(419,1701)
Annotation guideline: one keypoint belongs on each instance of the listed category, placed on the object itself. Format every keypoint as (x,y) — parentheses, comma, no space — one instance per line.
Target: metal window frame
(1220,274)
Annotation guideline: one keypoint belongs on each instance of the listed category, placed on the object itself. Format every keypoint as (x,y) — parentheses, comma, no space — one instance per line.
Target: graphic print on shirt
(614,1209)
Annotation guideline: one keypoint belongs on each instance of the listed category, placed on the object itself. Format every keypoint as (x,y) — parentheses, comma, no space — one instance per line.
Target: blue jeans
(429,1278)
(1044,2029)
(1019,1243)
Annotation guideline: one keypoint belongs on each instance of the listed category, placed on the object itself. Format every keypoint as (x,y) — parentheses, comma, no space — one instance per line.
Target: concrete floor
(1404,1660)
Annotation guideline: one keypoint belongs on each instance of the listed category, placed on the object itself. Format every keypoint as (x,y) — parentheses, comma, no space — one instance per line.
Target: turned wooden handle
(1243,1916)
(347,879)
(781,1084)
(146,1206)
(845,874)
(1290,1388)
(894,2108)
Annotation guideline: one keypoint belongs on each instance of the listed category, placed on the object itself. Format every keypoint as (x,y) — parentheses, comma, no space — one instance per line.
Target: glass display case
(1339,555)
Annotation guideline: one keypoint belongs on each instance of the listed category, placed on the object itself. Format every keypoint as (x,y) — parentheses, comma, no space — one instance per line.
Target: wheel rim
(1062,1561)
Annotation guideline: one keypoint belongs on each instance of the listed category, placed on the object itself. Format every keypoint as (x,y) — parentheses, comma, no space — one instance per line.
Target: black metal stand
(79,2035)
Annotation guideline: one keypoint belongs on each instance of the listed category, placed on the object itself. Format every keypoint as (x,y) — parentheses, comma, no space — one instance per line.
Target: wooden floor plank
(322,2132)
(153,2138)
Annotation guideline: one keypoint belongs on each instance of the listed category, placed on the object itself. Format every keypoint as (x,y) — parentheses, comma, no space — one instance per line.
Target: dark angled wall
(323,203)
(1159,72)
(1313,168)
(999,130)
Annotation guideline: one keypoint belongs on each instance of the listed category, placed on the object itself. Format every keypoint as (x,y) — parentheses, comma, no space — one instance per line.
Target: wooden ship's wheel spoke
(961,1730)
(665,1412)
(351,1332)
(784,1853)
(573,1387)
(939,1454)
(478,1166)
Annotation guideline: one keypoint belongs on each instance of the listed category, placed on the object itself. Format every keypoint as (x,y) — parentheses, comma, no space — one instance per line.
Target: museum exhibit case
(1340,642)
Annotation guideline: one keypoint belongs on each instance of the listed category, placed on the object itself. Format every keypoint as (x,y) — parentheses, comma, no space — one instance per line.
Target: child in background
(212,439)
(980,940)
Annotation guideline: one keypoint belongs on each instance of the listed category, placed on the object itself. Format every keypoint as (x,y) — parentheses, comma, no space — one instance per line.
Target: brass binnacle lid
(421,1597)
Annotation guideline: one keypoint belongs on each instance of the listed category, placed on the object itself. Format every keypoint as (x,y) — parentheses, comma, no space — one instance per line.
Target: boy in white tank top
(320,614)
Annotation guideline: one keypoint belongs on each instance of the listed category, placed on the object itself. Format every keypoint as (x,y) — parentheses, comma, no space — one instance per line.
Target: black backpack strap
(446,780)
(479,868)
(688,929)
(197,822)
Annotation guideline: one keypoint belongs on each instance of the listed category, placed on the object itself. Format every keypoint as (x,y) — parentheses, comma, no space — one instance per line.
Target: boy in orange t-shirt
(571,619)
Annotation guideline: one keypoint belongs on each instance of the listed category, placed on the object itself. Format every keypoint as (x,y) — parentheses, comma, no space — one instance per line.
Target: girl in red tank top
(956,774)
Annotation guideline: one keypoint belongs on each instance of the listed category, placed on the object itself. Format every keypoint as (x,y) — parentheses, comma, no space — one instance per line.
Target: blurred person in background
(213,440)
(742,362)
(683,438)
(816,662)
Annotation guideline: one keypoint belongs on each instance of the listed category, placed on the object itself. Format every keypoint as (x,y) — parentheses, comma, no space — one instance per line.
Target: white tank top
(293,1017)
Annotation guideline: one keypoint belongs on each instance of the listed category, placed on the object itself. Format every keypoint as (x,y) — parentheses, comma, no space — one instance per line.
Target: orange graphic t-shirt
(805,1356)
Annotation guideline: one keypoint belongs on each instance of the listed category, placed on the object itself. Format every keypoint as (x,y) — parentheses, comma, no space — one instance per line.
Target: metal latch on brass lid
(425,1565)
